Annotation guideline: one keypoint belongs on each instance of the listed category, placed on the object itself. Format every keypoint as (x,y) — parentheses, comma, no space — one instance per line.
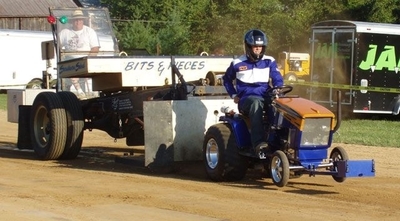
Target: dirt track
(94,187)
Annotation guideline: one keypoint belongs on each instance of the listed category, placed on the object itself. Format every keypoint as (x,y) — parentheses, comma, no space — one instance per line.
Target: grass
(369,132)
(3,101)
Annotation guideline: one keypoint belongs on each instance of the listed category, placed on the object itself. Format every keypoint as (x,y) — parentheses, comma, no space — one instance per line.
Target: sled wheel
(338,153)
(48,126)
(211,79)
(75,124)
(221,155)
(279,168)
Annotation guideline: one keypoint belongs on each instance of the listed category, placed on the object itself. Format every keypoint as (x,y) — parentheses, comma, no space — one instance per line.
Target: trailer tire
(75,125)
(280,172)
(221,156)
(48,131)
(338,153)
(35,84)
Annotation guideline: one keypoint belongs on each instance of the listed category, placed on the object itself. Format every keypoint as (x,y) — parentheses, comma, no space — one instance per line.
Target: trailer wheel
(48,131)
(75,125)
(338,153)
(221,155)
(35,84)
(279,168)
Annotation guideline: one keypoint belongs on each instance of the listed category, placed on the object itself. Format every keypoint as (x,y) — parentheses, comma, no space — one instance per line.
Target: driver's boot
(261,149)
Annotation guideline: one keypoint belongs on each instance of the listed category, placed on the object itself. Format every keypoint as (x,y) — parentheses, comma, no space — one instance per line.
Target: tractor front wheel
(279,168)
(338,153)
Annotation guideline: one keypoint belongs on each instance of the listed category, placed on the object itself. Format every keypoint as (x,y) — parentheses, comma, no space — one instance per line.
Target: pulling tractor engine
(299,138)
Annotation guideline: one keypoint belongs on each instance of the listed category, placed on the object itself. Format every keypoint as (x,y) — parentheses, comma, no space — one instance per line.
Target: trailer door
(331,62)
(377,66)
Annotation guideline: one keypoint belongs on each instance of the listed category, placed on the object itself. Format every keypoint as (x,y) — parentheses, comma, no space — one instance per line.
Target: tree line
(179,27)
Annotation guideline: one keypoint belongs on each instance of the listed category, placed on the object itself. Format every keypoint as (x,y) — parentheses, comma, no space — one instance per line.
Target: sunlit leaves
(190,27)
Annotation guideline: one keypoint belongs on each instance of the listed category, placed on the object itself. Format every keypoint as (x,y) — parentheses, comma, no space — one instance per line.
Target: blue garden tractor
(299,136)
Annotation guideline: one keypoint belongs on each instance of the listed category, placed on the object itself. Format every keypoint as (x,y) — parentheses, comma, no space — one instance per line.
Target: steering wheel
(282,90)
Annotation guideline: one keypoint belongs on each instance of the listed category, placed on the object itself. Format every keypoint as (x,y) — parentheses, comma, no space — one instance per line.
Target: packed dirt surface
(95,187)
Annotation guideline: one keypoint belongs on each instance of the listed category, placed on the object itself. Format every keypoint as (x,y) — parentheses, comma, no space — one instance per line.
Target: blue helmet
(255,37)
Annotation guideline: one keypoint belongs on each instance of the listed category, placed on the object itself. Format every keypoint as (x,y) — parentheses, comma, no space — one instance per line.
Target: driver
(252,72)
(81,40)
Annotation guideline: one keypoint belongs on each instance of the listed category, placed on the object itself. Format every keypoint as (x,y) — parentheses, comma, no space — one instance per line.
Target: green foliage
(162,27)
(190,27)
(373,10)
(135,35)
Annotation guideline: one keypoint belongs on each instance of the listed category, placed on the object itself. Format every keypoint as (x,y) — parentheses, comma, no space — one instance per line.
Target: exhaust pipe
(338,111)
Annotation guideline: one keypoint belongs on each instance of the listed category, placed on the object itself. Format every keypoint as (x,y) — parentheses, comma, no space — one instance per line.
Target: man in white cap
(80,39)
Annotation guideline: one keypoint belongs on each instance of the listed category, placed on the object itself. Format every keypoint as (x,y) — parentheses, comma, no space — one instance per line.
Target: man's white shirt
(82,40)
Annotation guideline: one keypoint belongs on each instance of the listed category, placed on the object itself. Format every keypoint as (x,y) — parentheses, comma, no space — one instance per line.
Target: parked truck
(359,58)
(22,64)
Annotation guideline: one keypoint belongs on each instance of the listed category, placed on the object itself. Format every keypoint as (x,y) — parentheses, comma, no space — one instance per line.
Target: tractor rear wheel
(221,154)
(48,126)
(280,172)
(338,153)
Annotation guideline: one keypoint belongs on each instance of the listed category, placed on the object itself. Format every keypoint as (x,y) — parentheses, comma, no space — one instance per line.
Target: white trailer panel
(174,130)
(17,97)
(119,72)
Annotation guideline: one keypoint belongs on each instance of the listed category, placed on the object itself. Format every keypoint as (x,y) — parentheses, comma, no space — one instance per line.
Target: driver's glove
(276,91)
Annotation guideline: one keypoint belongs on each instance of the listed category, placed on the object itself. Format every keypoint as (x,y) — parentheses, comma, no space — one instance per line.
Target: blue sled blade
(356,168)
